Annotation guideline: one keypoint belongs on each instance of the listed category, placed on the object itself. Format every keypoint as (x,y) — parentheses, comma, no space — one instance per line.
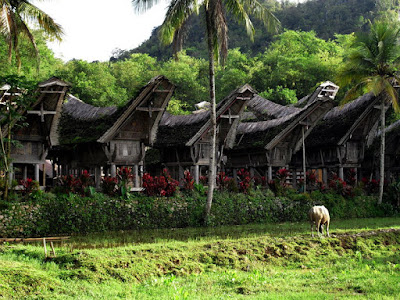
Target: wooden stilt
(52,249)
(44,246)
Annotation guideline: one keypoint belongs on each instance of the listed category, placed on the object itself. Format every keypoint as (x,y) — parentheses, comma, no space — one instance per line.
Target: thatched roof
(184,120)
(80,110)
(265,109)
(152,98)
(53,81)
(177,130)
(282,120)
(183,129)
(82,122)
(259,134)
(338,121)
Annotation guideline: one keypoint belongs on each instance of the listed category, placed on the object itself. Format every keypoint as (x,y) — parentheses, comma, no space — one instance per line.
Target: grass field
(275,261)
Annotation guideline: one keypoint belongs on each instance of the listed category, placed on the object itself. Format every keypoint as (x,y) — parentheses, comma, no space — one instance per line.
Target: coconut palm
(372,66)
(14,18)
(172,31)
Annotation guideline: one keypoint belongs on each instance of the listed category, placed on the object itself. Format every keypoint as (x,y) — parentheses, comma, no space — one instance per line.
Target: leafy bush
(29,186)
(188,181)
(49,214)
(245,181)
(339,186)
(71,184)
(222,180)
(109,185)
(163,185)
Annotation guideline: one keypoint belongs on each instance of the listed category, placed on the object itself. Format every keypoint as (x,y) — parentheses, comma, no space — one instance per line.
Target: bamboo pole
(27,240)
(44,246)
(52,249)
(304,160)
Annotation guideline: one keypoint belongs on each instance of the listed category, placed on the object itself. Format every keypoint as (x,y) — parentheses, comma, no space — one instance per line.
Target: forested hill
(325,17)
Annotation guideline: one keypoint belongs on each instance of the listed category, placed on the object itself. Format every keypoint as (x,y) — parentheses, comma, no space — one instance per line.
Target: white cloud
(94,28)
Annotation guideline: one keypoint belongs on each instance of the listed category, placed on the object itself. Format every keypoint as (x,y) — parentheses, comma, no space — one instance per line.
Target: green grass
(122,238)
(360,260)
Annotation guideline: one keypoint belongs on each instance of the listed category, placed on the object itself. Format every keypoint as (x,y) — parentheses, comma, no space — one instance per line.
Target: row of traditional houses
(252,133)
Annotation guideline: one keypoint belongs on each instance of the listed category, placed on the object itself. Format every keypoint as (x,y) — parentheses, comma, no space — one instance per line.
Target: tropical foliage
(325,17)
(372,66)
(15,18)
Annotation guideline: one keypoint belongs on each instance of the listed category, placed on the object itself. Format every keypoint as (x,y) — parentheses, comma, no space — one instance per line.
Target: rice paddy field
(360,260)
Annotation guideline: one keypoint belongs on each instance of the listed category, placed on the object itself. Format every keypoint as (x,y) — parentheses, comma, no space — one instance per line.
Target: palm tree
(14,17)
(217,41)
(372,66)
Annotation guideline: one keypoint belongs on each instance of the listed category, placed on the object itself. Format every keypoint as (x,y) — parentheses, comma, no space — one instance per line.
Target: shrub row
(51,214)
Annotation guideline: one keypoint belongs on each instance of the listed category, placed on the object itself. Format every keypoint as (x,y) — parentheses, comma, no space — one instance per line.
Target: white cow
(319,215)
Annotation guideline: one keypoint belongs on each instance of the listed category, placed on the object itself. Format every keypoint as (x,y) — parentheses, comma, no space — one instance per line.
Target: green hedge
(50,214)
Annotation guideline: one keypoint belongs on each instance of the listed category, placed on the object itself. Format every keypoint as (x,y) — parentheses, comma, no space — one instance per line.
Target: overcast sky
(94,28)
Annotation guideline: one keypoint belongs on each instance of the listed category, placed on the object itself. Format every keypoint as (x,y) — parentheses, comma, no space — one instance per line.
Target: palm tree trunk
(8,154)
(382,152)
(212,166)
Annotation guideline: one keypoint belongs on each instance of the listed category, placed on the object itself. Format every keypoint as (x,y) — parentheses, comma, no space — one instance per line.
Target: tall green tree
(172,31)
(48,62)
(14,18)
(93,83)
(371,66)
(295,61)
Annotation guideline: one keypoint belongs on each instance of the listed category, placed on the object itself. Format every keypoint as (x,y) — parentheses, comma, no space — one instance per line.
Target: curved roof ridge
(78,109)
(262,106)
(341,110)
(249,127)
(178,120)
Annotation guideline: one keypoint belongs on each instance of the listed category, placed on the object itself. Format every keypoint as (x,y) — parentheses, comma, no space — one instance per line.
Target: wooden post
(181,174)
(52,249)
(356,175)
(341,173)
(113,170)
(234,171)
(325,175)
(269,173)
(251,172)
(44,175)
(137,175)
(37,172)
(294,178)
(197,174)
(44,246)
(97,177)
(304,160)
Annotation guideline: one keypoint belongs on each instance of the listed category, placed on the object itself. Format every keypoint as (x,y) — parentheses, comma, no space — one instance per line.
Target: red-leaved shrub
(163,185)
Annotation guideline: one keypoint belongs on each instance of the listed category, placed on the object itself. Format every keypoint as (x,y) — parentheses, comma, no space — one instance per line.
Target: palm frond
(238,9)
(141,6)
(4,20)
(262,13)
(34,14)
(395,102)
(354,92)
(392,93)
(177,13)
(25,30)
(220,30)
